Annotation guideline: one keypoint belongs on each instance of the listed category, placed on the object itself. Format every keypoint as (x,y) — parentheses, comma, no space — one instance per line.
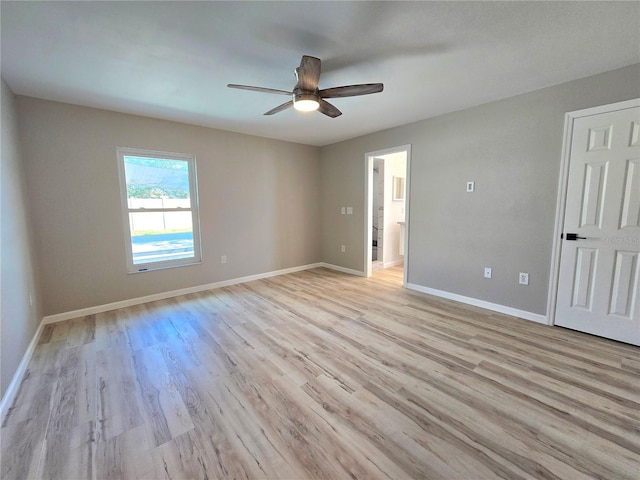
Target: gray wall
(19,320)
(259,202)
(512,150)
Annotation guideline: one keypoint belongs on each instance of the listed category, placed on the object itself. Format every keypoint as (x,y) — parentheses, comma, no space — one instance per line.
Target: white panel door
(598,286)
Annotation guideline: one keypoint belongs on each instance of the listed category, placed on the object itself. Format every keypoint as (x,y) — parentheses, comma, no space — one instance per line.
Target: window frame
(132,267)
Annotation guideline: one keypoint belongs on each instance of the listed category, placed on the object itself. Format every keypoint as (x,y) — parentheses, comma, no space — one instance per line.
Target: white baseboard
(534,317)
(59,317)
(350,271)
(393,264)
(13,387)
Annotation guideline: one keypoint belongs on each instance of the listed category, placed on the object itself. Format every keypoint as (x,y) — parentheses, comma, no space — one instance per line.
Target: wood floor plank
(162,406)
(118,399)
(317,375)
(73,404)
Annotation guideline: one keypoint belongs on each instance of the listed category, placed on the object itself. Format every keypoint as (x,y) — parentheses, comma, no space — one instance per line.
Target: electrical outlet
(523,279)
(487,272)
(349,210)
(343,210)
(343,248)
(223,259)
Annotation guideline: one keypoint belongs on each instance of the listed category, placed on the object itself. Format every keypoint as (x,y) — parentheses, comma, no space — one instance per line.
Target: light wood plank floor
(321,375)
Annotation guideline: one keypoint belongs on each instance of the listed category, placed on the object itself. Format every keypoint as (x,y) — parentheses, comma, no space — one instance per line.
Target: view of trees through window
(141,186)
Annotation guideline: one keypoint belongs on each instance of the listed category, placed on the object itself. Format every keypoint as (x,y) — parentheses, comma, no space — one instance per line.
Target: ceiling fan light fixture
(305,102)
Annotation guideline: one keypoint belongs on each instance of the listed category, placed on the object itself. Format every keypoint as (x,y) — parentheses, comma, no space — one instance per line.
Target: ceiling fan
(306,97)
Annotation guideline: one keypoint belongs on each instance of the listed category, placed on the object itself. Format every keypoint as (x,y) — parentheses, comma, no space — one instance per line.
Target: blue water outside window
(159,198)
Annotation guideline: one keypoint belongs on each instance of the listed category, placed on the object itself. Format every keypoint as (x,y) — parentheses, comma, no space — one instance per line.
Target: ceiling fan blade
(328,109)
(280,108)
(351,90)
(308,73)
(259,89)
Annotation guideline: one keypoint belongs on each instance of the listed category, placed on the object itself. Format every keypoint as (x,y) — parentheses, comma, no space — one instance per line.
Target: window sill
(162,267)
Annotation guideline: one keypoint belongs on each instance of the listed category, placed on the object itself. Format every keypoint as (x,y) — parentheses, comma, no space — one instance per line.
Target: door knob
(574,236)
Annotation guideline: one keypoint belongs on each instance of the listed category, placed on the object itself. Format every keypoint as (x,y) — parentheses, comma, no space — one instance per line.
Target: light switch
(343,210)
(471,186)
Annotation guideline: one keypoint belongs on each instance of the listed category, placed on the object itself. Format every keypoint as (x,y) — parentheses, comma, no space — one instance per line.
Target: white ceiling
(173,60)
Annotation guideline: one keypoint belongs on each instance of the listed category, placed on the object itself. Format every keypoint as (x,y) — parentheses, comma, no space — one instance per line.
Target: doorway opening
(387,200)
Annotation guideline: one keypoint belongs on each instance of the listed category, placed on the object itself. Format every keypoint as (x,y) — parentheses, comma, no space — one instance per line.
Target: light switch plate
(471,186)
(349,210)
(487,272)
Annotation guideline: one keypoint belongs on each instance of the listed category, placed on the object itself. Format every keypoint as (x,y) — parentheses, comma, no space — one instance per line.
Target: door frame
(368,202)
(569,120)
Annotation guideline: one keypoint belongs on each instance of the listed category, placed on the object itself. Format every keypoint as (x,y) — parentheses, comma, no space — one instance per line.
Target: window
(160,207)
